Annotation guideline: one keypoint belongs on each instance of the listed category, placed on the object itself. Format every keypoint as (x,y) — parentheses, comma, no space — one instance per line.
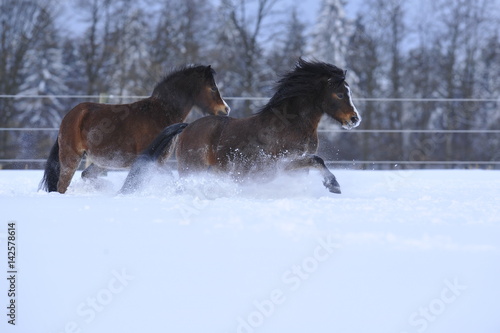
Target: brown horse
(282,136)
(113,135)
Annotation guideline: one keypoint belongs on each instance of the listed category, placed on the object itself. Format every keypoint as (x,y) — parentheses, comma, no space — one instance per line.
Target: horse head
(338,103)
(209,99)
(323,86)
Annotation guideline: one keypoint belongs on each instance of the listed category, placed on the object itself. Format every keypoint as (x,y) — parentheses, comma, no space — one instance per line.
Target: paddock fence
(411,157)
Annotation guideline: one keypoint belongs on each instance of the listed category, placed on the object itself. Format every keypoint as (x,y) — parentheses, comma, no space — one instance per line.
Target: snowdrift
(398,251)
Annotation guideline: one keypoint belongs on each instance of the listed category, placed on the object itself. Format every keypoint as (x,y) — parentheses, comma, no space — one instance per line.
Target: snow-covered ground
(397,251)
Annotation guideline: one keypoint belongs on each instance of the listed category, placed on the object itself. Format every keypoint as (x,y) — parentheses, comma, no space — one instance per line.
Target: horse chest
(311,145)
(302,144)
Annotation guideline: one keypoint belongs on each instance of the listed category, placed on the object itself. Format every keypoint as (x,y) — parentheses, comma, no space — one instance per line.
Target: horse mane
(304,81)
(181,74)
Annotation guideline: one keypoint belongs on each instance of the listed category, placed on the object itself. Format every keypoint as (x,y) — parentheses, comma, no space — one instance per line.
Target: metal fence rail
(21,129)
(263,98)
(354,163)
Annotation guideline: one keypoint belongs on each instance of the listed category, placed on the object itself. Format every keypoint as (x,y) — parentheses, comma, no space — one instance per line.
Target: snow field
(397,251)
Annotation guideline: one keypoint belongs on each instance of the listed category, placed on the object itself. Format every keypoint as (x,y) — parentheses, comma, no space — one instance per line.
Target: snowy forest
(427,75)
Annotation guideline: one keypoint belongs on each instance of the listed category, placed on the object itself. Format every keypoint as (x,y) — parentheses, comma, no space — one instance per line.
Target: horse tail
(162,143)
(52,170)
(153,153)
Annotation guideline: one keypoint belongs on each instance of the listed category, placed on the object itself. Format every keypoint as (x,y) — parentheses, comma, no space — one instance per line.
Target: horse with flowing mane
(281,136)
(112,136)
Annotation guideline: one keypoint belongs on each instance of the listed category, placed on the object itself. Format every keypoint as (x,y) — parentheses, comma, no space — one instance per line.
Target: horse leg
(69,160)
(316,162)
(93,171)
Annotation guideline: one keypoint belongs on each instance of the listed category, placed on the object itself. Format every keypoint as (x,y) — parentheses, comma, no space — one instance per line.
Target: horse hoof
(332,185)
(335,190)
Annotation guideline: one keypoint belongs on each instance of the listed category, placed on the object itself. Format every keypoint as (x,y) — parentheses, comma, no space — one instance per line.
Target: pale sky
(310,8)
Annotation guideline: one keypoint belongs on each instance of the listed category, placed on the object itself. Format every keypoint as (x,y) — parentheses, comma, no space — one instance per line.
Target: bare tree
(288,49)
(387,25)
(129,49)
(94,46)
(23,23)
(241,40)
(182,34)
(22,26)
(364,59)
(463,31)
(330,38)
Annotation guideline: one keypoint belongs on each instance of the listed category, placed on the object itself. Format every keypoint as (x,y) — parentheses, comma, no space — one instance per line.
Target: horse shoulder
(302,142)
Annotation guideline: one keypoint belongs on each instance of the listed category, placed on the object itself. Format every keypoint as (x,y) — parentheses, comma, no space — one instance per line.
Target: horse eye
(340,95)
(214,89)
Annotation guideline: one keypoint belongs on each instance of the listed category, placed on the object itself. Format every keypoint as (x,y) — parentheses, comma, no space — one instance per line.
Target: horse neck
(176,105)
(295,114)
(178,113)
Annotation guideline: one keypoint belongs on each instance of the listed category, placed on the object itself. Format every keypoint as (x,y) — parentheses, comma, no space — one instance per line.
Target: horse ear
(300,63)
(209,72)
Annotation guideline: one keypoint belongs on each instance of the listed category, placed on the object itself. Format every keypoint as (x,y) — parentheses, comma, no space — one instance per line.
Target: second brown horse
(113,135)
(282,136)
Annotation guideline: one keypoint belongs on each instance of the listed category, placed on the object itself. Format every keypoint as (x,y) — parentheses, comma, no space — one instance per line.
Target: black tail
(161,144)
(143,163)
(52,170)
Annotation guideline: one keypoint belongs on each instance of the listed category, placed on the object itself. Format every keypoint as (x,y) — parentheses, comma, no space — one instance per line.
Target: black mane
(304,80)
(181,76)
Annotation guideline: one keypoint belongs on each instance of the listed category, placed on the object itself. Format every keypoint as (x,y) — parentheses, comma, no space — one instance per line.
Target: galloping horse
(113,135)
(282,136)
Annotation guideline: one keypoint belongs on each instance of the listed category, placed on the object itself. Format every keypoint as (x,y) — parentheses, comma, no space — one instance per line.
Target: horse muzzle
(223,112)
(351,123)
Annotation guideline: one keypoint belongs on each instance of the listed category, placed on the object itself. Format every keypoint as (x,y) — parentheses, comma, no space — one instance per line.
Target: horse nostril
(223,112)
(354,119)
